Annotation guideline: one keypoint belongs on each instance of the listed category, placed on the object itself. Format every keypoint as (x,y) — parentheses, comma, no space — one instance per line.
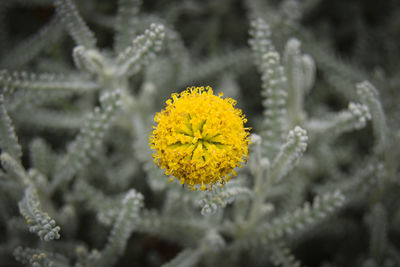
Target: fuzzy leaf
(40,258)
(274,86)
(289,154)
(74,23)
(354,118)
(42,157)
(8,138)
(88,60)
(185,231)
(260,41)
(89,139)
(39,221)
(107,208)
(370,97)
(49,83)
(220,197)
(141,51)
(298,220)
(282,256)
(126,23)
(300,72)
(14,169)
(43,118)
(123,227)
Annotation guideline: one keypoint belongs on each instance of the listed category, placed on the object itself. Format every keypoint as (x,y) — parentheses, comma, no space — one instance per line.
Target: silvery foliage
(101,167)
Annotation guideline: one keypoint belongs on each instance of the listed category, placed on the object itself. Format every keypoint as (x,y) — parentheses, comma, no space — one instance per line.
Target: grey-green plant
(78,183)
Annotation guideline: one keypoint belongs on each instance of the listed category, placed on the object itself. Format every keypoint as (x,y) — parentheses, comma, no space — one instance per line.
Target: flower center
(198,144)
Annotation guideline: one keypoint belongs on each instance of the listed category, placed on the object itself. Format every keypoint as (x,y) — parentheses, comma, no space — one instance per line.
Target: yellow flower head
(200,138)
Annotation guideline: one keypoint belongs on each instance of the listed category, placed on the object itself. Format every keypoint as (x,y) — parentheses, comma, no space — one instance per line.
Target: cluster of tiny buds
(261,34)
(259,28)
(274,74)
(366,89)
(155,33)
(361,112)
(299,135)
(271,58)
(21,79)
(156,30)
(209,209)
(132,194)
(107,96)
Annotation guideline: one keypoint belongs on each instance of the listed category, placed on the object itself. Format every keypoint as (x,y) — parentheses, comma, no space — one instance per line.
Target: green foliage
(106,208)
(46,83)
(75,119)
(298,220)
(274,86)
(282,256)
(300,72)
(39,221)
(88,60)
(37,257)
(50,119)
(75,25)
(8,139)
(289,154)
(14,169)
(42,157)
(127,19)
(89,139)
(355,117)
(124,224)
(141,51)
(370,97)
(220,197)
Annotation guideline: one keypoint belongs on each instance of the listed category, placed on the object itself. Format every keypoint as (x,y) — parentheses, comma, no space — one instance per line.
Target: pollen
(200,138)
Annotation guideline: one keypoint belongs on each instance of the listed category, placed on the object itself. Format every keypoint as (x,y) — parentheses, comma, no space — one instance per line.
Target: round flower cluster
(200,138)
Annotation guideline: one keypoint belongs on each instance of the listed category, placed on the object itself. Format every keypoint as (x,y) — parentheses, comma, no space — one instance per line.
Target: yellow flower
(200,138)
